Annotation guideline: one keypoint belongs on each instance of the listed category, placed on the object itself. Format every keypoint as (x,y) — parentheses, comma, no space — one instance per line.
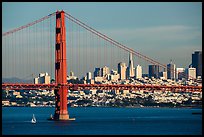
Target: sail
(33,119)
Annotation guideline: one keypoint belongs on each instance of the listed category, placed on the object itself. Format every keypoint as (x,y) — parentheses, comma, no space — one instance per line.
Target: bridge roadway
(147,87)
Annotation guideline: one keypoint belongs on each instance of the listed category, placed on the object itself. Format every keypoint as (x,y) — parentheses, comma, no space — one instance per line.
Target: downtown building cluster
(127,72)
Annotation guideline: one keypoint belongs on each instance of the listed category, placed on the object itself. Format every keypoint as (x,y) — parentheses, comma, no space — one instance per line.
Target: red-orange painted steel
(61,112)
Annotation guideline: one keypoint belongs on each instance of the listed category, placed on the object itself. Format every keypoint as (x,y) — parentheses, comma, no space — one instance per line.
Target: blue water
(103,121)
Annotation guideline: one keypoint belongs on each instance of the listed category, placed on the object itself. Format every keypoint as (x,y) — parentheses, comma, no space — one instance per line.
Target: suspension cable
(29,24)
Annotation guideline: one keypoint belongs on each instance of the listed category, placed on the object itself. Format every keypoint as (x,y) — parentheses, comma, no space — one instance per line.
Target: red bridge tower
(61,112)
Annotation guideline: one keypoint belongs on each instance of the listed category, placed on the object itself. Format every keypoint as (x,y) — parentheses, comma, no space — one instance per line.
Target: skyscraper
(180,73)
(191,73)
(130,70)
(171,71)
(122,70)
(154,71)
(88,75)
(97,72)
(197,62)
(138,72)
(104,71)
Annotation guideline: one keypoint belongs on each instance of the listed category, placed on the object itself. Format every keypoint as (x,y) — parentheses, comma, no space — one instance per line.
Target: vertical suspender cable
(10,57)
(47,46)
(81,50)
(25,54)
(97,48)
(40,48)
(72,46)
(86,63)
(51,47)
(22,54)
(29,45)
(77,58)
(3,57)
(111,56)
(35,66)
(91,54)
(12,54)
(14,47)
(79,55)
(68,47)
(42,56)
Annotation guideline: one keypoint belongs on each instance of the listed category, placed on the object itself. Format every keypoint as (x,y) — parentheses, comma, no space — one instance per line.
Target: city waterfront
(103,121)
(135,71)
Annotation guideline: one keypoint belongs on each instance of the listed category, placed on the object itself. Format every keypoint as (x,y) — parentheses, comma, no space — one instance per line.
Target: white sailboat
(33,119)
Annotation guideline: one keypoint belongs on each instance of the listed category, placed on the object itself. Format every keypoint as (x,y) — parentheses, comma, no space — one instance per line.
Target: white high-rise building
(43,78)
(191,73)
(122,70)
(89,76)
(180,73)
(130,70)
(105,71)
(138,72)
(36,80)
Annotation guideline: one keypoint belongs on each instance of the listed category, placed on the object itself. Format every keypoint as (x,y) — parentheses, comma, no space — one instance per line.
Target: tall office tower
(171,71)
(88,76)
(105,71)
(191,73)
(154,71)
(180,73)
(130,70)
(138,72)
(122,70)
(97,72)
(197,62)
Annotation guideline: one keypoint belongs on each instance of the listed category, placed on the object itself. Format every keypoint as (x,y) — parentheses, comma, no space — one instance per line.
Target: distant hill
(15,80)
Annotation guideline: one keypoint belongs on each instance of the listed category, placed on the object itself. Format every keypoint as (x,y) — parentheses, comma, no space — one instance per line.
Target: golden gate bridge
(29,49)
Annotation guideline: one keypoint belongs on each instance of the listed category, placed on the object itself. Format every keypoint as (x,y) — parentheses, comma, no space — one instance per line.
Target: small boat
(33,121)
(51,117)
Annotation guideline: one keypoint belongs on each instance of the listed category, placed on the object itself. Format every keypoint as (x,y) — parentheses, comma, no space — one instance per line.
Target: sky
(159,30)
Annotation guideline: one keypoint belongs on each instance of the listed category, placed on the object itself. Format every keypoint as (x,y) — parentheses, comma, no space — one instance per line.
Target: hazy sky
(160,30)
